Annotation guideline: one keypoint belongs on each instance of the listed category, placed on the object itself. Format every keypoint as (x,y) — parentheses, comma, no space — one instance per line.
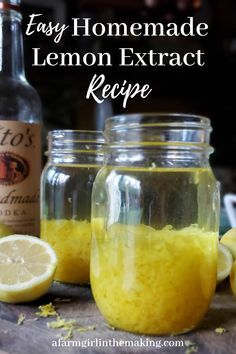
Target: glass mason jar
(74,157)
(155,221)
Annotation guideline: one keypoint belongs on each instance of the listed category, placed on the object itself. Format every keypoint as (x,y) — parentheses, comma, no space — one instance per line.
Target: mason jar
(74,158)
(155,221)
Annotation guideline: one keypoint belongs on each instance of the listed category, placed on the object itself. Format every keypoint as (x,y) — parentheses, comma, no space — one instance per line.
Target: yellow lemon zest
(220,330)
(71,240)
(21,319)
(47,310)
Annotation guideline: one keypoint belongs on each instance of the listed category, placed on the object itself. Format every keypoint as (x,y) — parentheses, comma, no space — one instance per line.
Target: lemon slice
(225,262)
(229,240)
(27,267)
(4,230)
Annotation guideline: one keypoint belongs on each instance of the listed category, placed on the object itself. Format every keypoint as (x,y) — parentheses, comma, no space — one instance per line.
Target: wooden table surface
(33,336)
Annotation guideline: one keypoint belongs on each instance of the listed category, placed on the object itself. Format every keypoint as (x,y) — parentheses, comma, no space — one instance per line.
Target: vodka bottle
(20,116)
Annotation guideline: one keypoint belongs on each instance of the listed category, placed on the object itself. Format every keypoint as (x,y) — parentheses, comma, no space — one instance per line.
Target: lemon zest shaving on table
(220,330)
(70,326)
(21,319)
(61,323)
(86,329)
(47,310)
(192,349)
(189,343)
(68,336)
(110,327)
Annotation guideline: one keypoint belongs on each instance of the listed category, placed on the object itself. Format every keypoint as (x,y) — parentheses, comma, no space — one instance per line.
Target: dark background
(209,90)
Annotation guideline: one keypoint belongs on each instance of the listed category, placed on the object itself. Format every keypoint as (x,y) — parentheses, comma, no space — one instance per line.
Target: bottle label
(20,170)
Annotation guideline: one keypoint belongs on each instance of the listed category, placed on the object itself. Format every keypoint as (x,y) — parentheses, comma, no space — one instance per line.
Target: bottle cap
(10,4)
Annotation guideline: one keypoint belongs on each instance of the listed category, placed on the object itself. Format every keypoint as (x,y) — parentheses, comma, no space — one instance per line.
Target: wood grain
(33,336)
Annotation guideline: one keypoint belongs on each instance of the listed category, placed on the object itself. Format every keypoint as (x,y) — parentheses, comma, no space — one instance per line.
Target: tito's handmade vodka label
(20,169)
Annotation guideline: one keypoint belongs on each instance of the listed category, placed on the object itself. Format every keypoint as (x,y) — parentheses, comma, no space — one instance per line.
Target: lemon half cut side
(229,240)
(27,267)
(4,230)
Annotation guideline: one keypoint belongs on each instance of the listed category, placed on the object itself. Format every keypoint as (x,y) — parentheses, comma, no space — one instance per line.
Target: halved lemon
(27,267)
(229,240)
(4,230)
(225,262)
(233,278)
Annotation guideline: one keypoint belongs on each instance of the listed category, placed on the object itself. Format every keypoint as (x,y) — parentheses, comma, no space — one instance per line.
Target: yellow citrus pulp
(71,240)
(27,267)
(153,281)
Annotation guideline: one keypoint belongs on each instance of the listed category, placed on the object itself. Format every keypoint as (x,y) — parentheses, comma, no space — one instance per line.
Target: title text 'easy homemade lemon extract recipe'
(99,89)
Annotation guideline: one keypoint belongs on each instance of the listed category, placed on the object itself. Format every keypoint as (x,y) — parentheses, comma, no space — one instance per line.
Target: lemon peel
(68,336)
(220,330)
(167,260)
(70,326)
(86,329)
(21,319)
(190,350)
(192,347)
(189,343)
(71,240)
(61,323)
(110,327)
(47,310)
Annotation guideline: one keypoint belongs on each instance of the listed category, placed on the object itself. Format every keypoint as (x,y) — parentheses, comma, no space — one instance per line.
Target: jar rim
(180,120)
(69,144)
(70,135)
(159,130)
